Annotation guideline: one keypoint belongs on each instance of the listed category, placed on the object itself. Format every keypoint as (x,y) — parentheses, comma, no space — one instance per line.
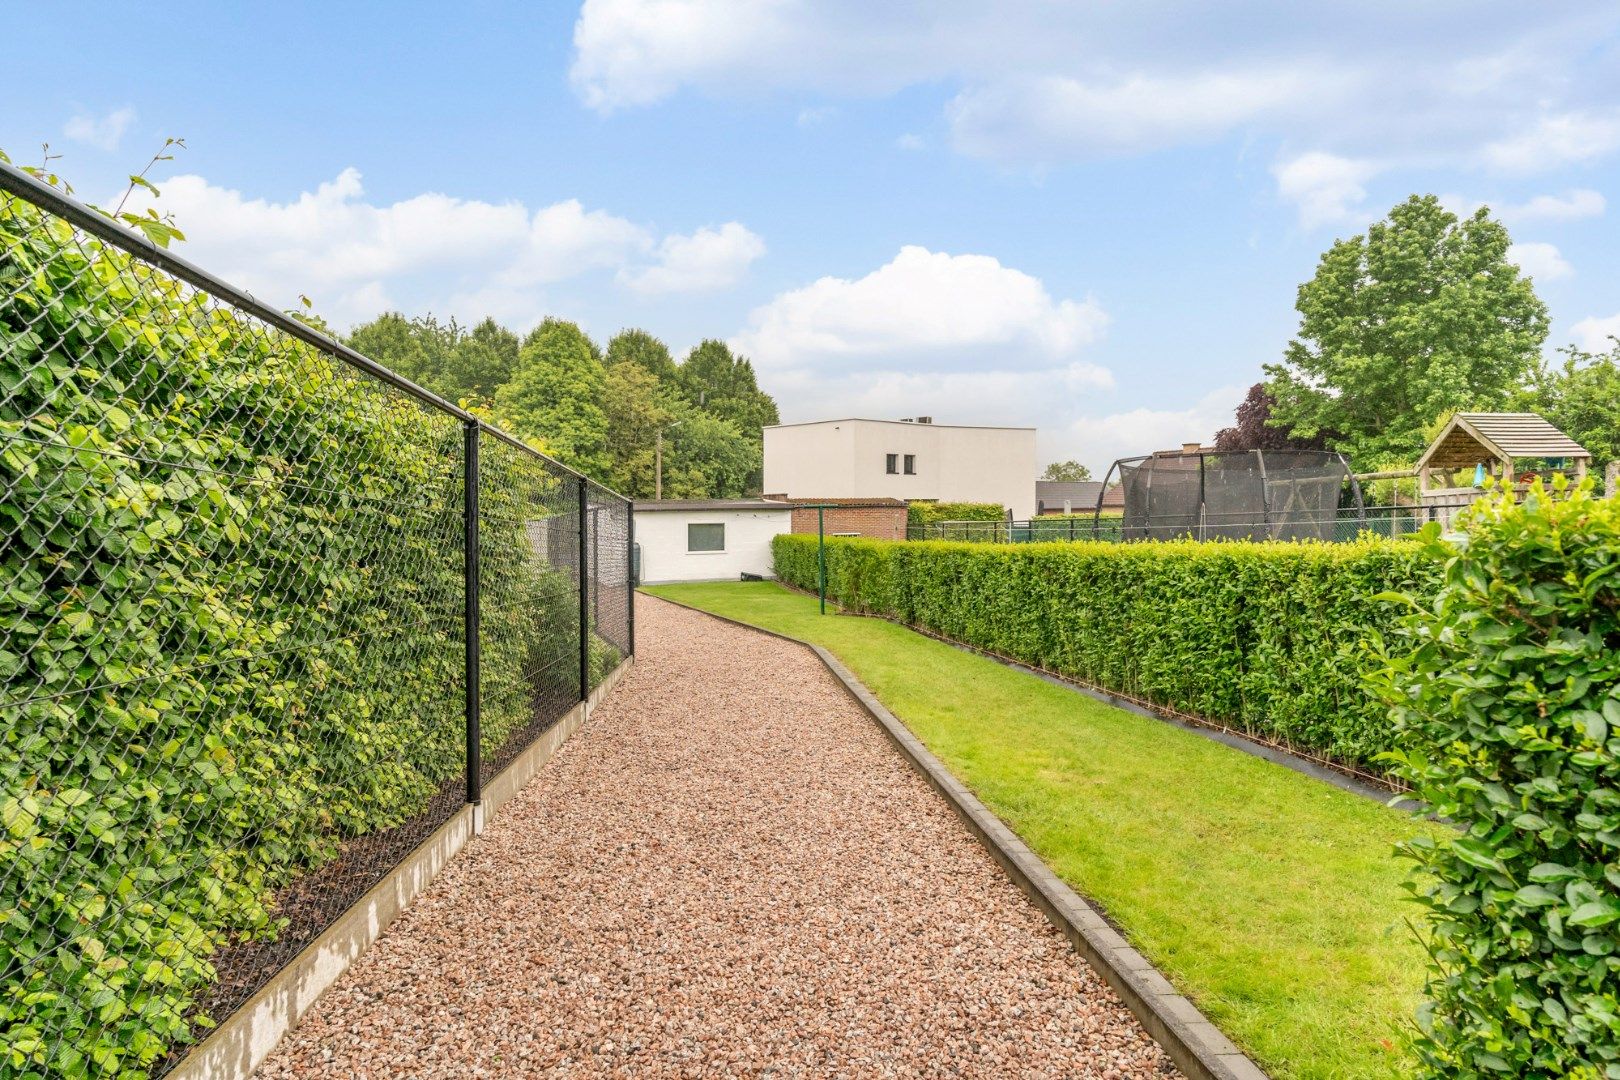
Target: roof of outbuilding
(1505,435)
(657,506)
(1076,491)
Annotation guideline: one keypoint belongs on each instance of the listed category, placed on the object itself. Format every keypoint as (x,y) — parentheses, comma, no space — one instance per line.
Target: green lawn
(1271,899)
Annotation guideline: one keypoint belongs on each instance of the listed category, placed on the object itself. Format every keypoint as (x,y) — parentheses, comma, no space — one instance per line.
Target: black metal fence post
(475,752)
(584,593)
(630,578)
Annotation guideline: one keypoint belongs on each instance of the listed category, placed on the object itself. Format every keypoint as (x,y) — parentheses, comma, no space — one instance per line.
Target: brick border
(1196,1046)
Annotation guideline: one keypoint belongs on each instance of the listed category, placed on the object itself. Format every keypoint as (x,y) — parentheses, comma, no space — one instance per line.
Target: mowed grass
(1271,899)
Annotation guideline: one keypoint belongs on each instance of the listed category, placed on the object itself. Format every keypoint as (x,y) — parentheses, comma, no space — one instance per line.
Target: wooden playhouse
(1512,447)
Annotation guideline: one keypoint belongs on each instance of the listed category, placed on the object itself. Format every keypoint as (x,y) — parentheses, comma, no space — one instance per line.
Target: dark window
(705,538)
(911,464)
(891,463)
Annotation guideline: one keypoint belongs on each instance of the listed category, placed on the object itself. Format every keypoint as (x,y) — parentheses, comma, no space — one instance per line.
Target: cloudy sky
(1090,217)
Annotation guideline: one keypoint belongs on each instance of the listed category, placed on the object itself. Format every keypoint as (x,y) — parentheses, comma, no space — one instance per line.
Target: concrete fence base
(245,1038)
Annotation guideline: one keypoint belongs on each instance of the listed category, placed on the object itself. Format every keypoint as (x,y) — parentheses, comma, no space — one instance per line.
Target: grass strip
(1270,898)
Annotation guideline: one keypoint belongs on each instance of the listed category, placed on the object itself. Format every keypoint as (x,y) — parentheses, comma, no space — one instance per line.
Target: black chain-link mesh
(609,574)
(232,641)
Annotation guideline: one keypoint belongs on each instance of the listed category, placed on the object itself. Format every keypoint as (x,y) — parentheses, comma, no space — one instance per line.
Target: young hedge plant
(1505,691)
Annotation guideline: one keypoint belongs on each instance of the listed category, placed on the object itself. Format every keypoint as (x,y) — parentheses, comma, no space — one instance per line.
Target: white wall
(839,459)
(662,536)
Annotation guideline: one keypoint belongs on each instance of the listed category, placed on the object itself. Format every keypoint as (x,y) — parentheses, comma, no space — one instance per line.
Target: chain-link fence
(245,575)
(1340,525)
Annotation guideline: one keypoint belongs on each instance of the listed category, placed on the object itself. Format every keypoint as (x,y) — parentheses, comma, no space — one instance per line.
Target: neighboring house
(1066,496)
(707,539)
(902,459)
(880,519)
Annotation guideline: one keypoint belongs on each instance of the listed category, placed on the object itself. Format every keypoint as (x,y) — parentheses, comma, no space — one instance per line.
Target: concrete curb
(1196,1046)
(245,1038)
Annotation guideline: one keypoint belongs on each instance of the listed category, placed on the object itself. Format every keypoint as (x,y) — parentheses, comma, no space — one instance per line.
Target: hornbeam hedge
(1269,638)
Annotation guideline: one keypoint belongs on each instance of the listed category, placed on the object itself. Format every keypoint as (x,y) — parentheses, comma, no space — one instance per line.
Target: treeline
(597,410)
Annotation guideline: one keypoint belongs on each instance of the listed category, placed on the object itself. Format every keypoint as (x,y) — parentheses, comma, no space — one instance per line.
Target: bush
(927,513)
(1265,637)
(1506,695)
(230,633)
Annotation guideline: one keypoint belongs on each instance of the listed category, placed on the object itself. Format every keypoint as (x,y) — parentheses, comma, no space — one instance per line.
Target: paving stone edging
(245,1038)
(1196,1046)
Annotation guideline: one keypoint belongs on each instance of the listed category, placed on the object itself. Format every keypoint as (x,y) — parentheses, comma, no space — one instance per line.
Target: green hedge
(1506,692)
(230,633)
(1268,637)
(926,513)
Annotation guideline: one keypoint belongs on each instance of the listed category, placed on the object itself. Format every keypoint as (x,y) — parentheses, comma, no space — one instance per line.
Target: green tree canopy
(707,457)
(635,409)
(556,395)
(419,349)
(646,350)
(1423,313)
(1070,470)
(483,360)
(723,384)
(1581,397)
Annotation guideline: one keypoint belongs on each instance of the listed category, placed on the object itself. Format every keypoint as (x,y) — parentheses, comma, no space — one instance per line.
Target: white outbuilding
(707,539)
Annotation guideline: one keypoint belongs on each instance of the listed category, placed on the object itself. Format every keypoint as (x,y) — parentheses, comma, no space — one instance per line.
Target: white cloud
(810,117)
(1099,440)
(456,256)
(101,132)
(704,261)
(1512,85)
(1555,140)
(1327,189)
(1042,118)
(1571,206)
(910,141)
(1593,334)
(1542,261)
(933,310)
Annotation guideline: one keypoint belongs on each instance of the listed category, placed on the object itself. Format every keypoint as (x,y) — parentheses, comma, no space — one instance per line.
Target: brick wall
(880,519)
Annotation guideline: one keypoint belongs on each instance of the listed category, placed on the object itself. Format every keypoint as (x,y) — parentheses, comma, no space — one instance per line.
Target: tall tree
(1421,314)
(1066,470)
(707,457)
(556,395)
(635,411)
(483,360)
(419,349)
(644,349)
(1581,397)
(723,384)
(1254,430)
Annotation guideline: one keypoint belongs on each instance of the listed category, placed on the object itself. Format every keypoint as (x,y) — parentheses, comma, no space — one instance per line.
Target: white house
(903,459)
(707,539)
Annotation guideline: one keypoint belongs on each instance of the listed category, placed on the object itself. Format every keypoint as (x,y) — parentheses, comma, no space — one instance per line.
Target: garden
(1328,935)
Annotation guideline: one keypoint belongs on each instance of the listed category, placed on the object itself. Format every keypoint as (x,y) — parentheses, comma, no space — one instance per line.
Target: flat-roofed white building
(903,459)
(707,539)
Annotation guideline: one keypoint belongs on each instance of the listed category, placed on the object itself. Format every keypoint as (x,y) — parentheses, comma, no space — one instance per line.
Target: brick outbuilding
(878,518)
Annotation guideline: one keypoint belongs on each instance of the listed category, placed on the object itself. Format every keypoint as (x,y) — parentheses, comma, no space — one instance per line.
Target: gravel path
(728,871)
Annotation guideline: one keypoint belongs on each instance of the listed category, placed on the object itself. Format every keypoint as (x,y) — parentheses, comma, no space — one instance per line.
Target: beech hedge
(1269,638)
(1505,690)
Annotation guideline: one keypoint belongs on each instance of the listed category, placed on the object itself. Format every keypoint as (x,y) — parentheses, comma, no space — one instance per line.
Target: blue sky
(1091,218)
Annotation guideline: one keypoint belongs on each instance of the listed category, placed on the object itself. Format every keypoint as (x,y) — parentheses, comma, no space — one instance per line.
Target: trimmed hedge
(927,513)
(1506,695)
(1266,637)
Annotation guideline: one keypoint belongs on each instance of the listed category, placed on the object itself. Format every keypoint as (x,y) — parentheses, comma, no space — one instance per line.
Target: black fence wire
(269,616)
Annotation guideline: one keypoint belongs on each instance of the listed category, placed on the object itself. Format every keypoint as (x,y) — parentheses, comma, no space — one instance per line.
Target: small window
(706,537)
(911,464)
(891,463)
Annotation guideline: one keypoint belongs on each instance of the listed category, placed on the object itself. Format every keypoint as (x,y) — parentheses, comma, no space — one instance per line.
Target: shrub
(926,513)
(1506,695)
(1265,637)
(230,633)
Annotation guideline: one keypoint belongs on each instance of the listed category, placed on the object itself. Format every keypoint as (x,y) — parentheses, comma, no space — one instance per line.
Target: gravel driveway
(728,871)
